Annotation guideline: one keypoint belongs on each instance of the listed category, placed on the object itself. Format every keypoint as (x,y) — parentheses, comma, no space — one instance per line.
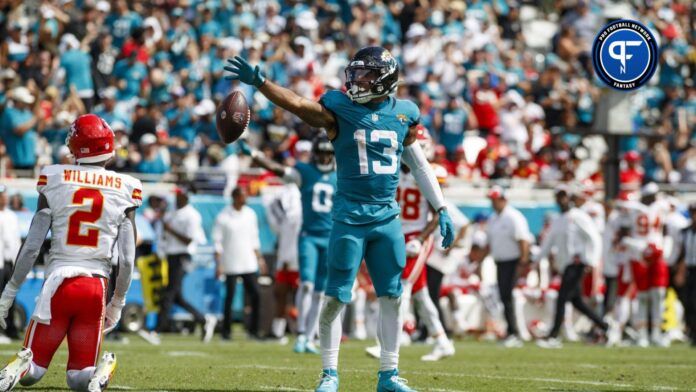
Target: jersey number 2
(375,136)
(91,238)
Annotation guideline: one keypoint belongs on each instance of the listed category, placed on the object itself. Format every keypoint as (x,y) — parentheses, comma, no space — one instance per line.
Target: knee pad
(78,380)
(33,376)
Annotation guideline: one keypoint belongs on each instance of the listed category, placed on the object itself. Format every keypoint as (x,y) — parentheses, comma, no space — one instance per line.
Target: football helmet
(372,73)
(323,154)
(90,139)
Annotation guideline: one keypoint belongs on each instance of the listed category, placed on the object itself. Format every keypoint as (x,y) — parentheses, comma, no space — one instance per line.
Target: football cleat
(103,374)
(15,369)
(328,381)
(512,341)
(374,351)
(551,343)
(440,351)
(389,381)
(300,344)
(613,333)
(311,348)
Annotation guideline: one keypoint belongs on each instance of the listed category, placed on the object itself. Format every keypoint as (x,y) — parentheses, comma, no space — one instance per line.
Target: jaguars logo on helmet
(372,73)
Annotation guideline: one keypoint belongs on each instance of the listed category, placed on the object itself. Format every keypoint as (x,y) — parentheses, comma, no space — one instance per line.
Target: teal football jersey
(368,155)
(317,189)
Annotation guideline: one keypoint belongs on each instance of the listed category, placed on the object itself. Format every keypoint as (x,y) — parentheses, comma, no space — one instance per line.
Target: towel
(42,312)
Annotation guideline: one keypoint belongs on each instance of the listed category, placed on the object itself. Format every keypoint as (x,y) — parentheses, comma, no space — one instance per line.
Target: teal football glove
(245,148)
(241,70)
(446,229)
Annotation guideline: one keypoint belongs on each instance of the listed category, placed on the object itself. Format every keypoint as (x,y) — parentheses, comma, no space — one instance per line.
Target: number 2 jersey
(368,148)
(88,205)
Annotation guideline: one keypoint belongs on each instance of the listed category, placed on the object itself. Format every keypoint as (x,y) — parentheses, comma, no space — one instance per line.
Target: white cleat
(440,351)
(613,333)
(102,375)
(550,343)
(4,339)
(13,371)
(643,342)
(512,341)
(209,328)
(374,351)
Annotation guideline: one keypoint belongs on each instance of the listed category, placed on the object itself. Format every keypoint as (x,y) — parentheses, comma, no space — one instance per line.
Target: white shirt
(689,243)
(185,221)
(572,234)
(10,238)
(596,211)
(505,230)
(236,238)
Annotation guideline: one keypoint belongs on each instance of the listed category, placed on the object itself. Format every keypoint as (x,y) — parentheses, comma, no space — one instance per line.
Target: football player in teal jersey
(372,133)
(317,183)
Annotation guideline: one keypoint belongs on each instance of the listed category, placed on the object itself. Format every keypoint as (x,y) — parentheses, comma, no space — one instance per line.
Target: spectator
(20,125)
(151,159)
(238,256)
(508,243)
(181,234)
(77,66)
(631,176)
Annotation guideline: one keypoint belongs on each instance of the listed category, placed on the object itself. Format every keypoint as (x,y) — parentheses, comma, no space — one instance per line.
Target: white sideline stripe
(187,354)
(447,374)
(120,387)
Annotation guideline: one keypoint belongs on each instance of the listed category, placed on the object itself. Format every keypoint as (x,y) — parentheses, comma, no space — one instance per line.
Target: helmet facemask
(323,156)
(365,84)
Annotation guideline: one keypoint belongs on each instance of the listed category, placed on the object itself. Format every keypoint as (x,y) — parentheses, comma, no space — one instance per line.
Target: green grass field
(184,364)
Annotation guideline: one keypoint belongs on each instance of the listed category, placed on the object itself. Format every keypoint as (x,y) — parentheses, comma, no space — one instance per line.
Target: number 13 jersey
(88,205)
(368,150)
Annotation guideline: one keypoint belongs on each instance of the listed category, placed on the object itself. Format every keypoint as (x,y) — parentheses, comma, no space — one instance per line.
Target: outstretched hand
(241,70)
(446,229)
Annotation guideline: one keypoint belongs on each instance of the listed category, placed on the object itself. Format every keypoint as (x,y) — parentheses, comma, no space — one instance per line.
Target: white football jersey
(646,222)
(88,204)
(415,210)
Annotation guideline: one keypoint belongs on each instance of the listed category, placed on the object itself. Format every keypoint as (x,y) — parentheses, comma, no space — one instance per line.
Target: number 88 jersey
(88,204)
(415,210)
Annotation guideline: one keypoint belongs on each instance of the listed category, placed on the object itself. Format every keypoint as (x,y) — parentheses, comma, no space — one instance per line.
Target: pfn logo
(621,55)
(625,54)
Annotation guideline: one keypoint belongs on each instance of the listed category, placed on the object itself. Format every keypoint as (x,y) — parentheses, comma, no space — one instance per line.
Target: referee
(508,244)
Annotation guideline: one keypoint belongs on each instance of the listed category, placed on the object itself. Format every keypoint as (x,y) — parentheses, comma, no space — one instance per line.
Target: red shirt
(482,105)
(631,176)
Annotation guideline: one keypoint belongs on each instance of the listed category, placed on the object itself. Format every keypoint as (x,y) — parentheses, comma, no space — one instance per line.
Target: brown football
(232,117)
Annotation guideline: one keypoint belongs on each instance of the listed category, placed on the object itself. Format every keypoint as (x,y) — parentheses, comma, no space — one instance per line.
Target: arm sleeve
(414,158)
(522,228)
(126,260)
(30,250)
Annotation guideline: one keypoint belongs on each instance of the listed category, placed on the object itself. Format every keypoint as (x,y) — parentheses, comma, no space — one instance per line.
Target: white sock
(622,310)
(78,380)
(330,332)
(303,300)
(657,309)
(389,331)
(640,318)
(33,375)
(313,315)
(278,328)
(406,314)
(568,317)
(428,313)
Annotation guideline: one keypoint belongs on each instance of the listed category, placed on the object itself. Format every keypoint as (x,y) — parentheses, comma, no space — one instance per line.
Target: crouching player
(418,222)
(89,211)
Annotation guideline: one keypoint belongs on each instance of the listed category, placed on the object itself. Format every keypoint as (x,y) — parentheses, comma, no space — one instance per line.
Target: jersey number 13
(375,136)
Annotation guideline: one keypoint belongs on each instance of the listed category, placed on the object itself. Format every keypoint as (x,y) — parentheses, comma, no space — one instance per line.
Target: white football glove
(113,314)
(413,248)
(6,301)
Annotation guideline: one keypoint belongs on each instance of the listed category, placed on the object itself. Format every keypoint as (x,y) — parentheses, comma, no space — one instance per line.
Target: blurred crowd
(506,88)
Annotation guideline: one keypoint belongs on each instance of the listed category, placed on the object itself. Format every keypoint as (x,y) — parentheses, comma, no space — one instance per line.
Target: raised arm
(313,113)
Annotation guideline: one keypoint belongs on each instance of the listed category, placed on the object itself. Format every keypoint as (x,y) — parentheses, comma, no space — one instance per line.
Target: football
(232,117)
